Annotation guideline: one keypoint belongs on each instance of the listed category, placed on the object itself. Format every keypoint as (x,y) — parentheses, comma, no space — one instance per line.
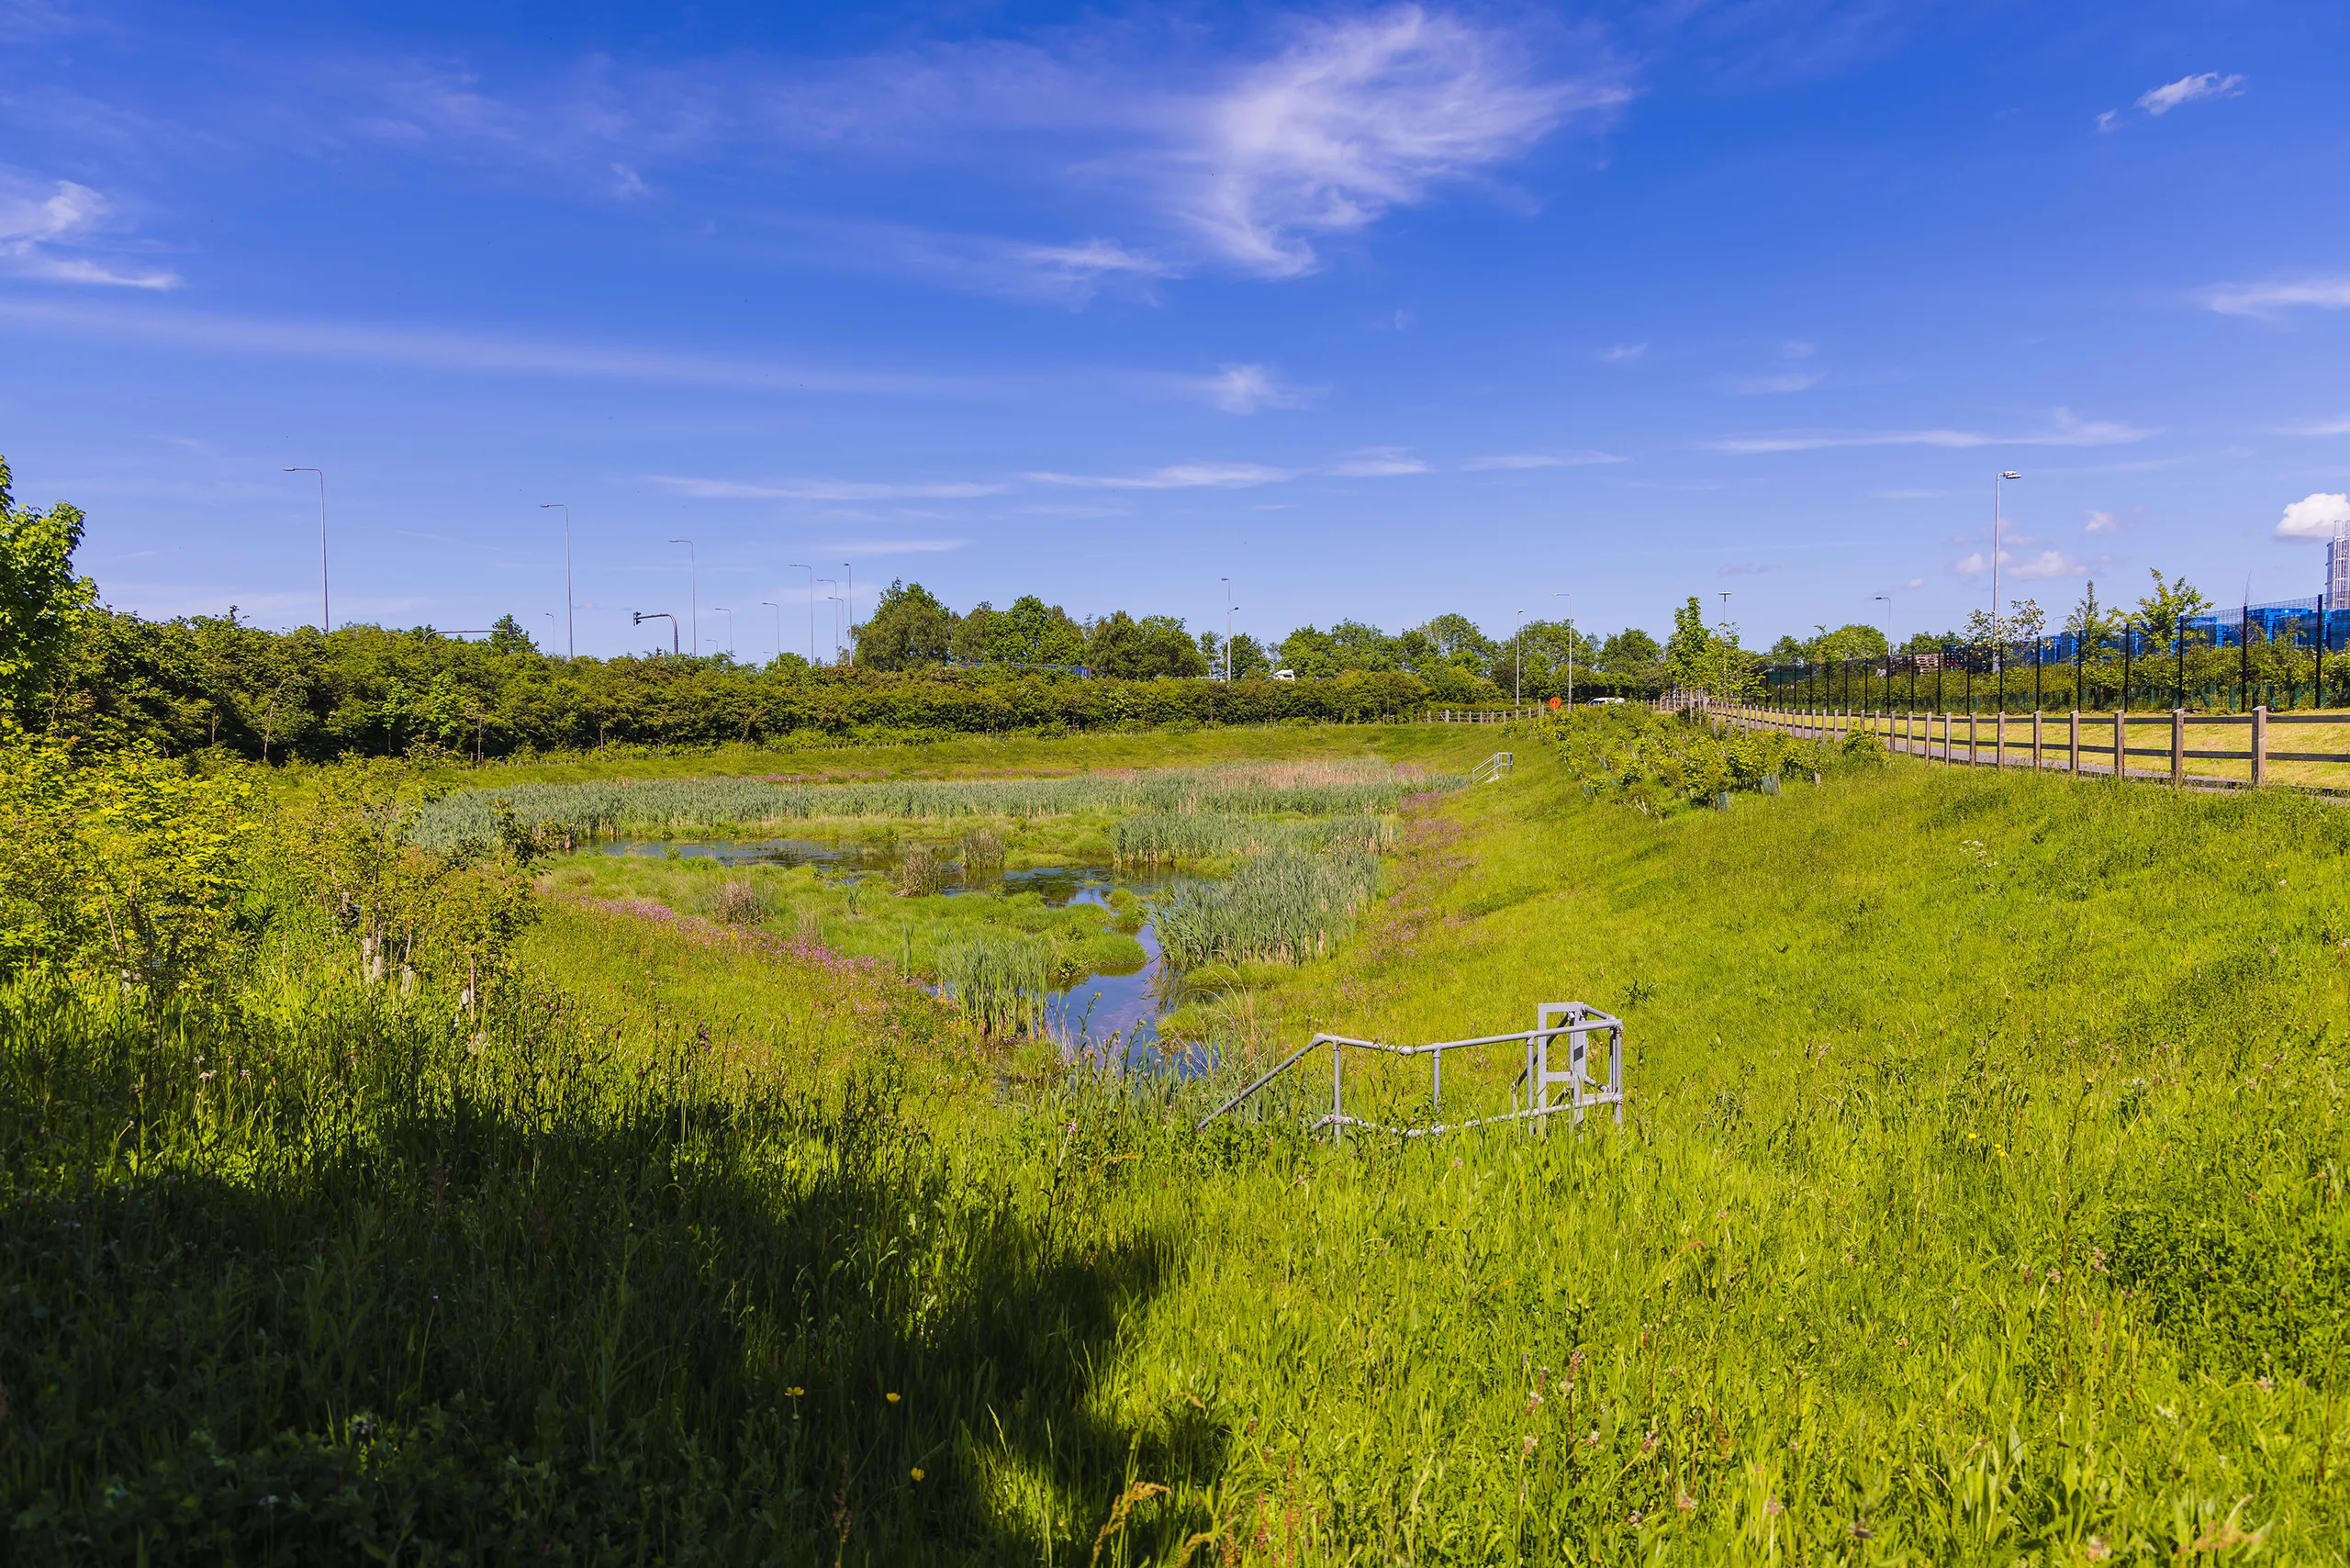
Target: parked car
(1604,701)
(1284,675)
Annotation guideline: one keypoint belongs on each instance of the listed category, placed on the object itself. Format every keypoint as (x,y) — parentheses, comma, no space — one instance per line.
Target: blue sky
(1378,311)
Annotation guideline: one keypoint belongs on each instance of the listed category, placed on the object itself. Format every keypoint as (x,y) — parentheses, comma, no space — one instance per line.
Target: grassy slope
(1898,1254)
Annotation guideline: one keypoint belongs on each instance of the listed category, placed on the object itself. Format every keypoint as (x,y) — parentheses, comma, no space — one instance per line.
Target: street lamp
(570,645)
(326,620)
(730,628)
(693,593)
(811,610)
(1517,677)
(770,604)
(1228,608)
(1569,596)
(834,601)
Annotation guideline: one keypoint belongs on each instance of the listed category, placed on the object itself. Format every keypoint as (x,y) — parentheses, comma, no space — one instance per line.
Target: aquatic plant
(1284,906)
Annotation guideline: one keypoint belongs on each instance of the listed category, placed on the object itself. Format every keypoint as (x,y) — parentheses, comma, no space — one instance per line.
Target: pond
(1100,1014)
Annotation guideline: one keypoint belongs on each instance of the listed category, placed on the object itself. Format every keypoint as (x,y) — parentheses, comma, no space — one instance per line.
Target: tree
(1630,651)
(507,637)
(2090,622)
(1120,646)
(908,628)
(1686,649)
(1248,658)
(2162,614)
(1854,641)
(1034,633)
(40,599)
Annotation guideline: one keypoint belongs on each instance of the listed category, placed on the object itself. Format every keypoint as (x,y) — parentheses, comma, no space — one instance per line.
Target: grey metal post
(1338,1103)
(1436,1081)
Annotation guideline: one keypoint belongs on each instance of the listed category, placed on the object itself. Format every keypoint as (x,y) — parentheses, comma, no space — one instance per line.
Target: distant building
(2337,568)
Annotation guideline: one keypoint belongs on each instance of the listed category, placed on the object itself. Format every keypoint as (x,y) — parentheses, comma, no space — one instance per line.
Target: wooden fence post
(2035,740)
(2178,747)
(1974,747)
(2076,741)
(2121,745)
(1999,740)
(2260,745)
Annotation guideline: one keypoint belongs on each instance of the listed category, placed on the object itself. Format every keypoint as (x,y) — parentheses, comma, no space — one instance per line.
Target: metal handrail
(1492,767)
(1578,1022)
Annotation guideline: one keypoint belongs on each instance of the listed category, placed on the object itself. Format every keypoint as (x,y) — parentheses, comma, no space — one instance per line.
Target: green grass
(1284,906)
(719,805)
(1980,1201)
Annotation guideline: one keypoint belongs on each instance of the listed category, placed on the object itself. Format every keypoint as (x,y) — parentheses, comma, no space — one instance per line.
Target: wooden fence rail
(1985,739)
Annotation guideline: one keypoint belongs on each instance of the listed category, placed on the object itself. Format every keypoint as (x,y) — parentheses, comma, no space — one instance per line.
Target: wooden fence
(1989,739)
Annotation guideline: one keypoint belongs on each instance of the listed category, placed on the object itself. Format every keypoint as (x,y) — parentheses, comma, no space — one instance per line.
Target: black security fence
(2281,657)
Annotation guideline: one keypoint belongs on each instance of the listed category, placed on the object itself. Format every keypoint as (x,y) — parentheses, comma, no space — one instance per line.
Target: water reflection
(1113,1017)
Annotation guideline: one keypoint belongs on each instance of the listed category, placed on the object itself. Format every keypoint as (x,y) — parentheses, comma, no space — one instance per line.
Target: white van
(1284,675)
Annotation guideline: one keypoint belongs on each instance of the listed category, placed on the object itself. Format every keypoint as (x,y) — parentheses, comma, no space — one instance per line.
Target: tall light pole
(770,604)
(811,611)
(834,601)
(848,609)
(1887,600)
(1228,608)
(2004,475)
(730,628)
(570,645)
(693,594)
(326,619)
(1570,598)
(1518,678)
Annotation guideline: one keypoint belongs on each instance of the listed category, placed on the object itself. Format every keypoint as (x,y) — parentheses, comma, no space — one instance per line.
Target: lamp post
(1997,520)
(326,619)
(730,628)
(770,604)
(1517,677)
(811,608)
(834,601)
(570,645)
(1570,598)
(1228,608)
(693,593)
(848,609)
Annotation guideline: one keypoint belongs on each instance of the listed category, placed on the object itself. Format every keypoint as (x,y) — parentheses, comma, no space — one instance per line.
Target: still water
(1114,1016)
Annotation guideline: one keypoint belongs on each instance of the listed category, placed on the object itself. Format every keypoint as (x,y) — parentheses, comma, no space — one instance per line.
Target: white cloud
(1514,459)
(2106,119)
(2323,427)
(1915,583)
(2102,522)
(1357,118)
(1244,388)
(627,184)
(2047,563)
(1378,463)
(2257,298)
(2187,89)
(1176,476)
(1972,566)
(1624,353)
(37,221)
(2064,430)
(821,489)
(2314,517)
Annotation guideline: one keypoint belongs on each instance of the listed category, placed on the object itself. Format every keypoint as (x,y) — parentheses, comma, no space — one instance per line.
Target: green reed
(1002,979)
(1282,906)
(1165,837)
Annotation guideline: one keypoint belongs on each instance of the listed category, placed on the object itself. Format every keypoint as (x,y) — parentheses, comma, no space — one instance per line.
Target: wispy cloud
(894,547)
(1357,118)
(425,348)
(1517,460)
(2314,517)
(1246,388)
(2064,430)
(1784,381)
(2188,90)
(2038,567)
(2322,427)
(46,227)
(822,489)
(1624,353)
(2101,522)
(2259,298)
(1176,476)
(1378,463)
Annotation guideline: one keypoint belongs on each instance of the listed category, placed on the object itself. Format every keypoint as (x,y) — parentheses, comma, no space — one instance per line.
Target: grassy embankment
(1980,1200)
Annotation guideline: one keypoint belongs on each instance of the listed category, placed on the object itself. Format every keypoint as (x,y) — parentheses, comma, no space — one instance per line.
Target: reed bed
(591,809)
(1284,906)
(1002,979)
(1150,838)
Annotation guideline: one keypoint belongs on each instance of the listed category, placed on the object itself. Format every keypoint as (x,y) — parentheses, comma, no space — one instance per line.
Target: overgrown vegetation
(1658,762)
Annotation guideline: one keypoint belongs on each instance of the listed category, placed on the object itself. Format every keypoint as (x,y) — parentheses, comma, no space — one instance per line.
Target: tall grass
(1282,906)
(1164,837)
(706,804)
(1001,978)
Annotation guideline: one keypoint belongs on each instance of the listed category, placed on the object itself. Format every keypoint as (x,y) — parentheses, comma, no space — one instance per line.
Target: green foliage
(707,804)
(1155,646)
(1658,763)
(40,599)
(121,864)
(2173,601)
(1150,838)
(908,629)
(1282,906)
(1002,979)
